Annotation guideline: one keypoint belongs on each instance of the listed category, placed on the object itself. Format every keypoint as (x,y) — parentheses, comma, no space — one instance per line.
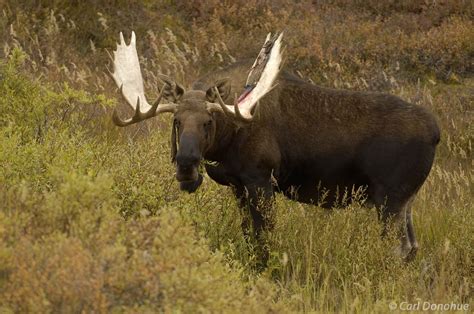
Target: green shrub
(91,218)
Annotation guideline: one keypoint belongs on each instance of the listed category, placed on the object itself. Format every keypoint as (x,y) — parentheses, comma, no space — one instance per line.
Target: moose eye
(177,123)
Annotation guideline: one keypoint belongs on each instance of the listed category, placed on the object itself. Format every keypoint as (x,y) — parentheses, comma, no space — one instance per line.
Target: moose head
(195,112)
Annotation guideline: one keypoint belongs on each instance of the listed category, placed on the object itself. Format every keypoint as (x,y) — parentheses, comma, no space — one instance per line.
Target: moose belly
(327,186)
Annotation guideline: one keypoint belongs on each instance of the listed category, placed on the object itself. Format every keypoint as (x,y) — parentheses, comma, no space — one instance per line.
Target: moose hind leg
(411,233)
(398,218)
(393,214)
(401,218)
(398,221)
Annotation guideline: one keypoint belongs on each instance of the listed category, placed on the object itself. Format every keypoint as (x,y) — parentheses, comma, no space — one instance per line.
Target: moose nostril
(186,162)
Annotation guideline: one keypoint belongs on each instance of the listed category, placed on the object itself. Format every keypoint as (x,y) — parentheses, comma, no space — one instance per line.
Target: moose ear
(172,91)
(223,86)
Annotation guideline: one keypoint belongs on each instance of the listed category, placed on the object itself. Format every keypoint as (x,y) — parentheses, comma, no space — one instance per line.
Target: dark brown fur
(307,139)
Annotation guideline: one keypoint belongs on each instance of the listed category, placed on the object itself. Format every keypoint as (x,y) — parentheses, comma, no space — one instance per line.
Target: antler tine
(133,40)
(153,111)
(137,109)
(239,116)
(224,107)
(235,116)
(122,40)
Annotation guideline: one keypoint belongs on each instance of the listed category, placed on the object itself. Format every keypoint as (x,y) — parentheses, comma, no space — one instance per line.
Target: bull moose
(290,136)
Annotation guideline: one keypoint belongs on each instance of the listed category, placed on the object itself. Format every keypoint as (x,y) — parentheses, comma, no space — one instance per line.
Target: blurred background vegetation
(91,218)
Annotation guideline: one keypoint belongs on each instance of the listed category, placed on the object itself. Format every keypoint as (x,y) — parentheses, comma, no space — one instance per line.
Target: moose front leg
(256,200)
(254,195)
(259,202)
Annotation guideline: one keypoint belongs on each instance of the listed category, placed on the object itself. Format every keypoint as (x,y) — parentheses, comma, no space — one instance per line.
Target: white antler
(127,73)
(128,77)
(263,72)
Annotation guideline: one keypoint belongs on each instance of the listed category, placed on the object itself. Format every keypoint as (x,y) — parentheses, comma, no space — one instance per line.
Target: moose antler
(259,82)
(128,77)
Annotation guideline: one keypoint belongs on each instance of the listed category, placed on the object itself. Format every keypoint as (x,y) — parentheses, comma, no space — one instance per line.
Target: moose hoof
(403,251)
(412,254)
(406,252)
(191,186)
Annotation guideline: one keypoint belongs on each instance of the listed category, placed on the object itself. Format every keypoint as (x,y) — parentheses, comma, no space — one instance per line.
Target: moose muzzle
(187,163)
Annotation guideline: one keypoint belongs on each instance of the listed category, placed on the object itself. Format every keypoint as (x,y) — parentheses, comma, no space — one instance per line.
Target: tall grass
(91,218)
